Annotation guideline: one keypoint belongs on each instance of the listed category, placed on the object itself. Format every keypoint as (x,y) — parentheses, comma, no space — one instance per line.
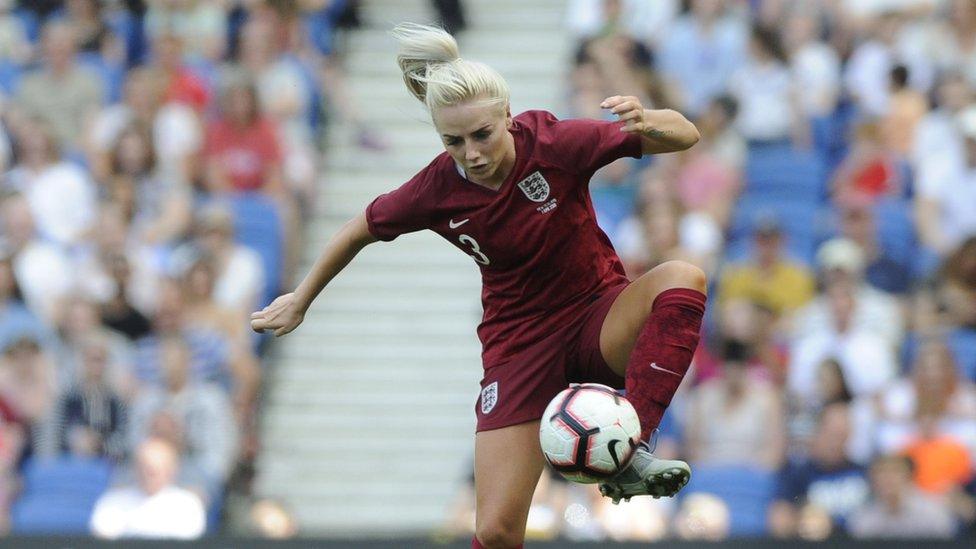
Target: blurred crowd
(158,159)
(832,200)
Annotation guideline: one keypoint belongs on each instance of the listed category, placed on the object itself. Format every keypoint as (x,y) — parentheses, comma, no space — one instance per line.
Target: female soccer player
(511,192)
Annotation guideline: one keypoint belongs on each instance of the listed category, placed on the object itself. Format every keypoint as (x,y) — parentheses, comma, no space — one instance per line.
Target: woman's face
(133,153)
(241,105)
(934,369)
(476,136)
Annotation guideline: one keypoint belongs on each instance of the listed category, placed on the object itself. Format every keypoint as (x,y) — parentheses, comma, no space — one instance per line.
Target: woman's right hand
(283,315)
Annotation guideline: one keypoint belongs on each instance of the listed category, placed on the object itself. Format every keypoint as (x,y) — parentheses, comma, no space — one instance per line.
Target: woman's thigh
(507,466)
(631,309)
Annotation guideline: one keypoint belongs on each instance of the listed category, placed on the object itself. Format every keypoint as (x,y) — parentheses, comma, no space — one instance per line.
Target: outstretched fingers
(628,110)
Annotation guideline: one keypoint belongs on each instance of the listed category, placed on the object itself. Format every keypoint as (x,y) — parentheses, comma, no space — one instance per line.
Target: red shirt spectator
(242,149)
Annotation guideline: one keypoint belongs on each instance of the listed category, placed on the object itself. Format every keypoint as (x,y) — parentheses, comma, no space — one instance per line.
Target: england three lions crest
(489,397)
(535,187)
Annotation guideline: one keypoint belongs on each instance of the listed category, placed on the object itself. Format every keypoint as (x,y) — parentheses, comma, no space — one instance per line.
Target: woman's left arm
(661,131)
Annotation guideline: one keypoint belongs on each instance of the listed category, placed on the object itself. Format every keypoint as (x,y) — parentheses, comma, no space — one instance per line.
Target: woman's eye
(481,136)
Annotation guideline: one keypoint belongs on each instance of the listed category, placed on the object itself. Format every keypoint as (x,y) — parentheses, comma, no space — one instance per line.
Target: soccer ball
(589,433)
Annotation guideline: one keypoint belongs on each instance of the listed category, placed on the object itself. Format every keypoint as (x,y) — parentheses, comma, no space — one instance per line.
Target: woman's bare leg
(507,466)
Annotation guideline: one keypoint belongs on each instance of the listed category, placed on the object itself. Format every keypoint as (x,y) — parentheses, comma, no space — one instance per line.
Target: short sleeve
(588,145)
(401,211)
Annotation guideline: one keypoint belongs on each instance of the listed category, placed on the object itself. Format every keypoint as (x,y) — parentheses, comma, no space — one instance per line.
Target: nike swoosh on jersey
(656,367)
(454,225)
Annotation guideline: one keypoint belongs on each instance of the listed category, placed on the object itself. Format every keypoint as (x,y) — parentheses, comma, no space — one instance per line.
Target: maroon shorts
(519,389)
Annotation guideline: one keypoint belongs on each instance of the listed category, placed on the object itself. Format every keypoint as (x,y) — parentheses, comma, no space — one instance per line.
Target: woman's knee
(677,274)
(499,534)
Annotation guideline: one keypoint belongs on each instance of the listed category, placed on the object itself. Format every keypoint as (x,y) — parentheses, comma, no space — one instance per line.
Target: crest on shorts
(489,397)
(535,187)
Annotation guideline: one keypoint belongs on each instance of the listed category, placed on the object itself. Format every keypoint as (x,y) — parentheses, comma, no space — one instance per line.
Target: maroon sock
(663,353)
(475,544)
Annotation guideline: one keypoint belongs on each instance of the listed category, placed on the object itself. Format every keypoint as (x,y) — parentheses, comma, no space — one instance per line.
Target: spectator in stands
(871,170)
(240,277)
(614,62)
(946,204)
(154,507)
(159,209)
(867,359)
(709,177)
(881,271)
(28,385)
(769,279)
(867,72)
(42,268)
(214,359)
(764,91)
(952,39)
(61,195)
(898,509)
(650,235)
(906,107)
(841,262)
(934,405)
(180,83)
(15,46)
(826,484)
(243,154)
(90,417)
(937,144)
(734,420)
(814,65)
(703,517)
(203,311)
(61,92)
(79,326)
(201,27)
(703,49)
(23,256)
(286,96)
(202,414)
(645,21)
(117,310)
(92,32)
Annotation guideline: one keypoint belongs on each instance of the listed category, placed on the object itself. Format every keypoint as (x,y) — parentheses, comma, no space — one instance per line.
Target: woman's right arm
(285,313)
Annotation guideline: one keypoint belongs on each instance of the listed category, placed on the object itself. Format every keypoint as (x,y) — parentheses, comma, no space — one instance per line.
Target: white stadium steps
(368,425)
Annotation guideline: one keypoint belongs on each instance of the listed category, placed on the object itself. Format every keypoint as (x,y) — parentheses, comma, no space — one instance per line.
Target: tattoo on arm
(655,133)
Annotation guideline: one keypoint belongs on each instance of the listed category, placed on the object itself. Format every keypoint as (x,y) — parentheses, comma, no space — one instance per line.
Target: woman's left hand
(629,110)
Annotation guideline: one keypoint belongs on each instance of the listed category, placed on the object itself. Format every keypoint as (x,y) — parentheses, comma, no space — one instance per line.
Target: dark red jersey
(542,256)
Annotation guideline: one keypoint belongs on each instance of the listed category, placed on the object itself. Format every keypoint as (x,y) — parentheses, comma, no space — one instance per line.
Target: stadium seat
(782,172)
(258,225)
(895,228)
(59,495)
(746,491)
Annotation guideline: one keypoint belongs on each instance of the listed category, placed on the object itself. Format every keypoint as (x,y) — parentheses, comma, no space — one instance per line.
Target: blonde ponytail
(435,73)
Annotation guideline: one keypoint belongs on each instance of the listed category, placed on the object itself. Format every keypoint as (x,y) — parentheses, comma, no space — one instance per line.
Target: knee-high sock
(663,353)
(475,544)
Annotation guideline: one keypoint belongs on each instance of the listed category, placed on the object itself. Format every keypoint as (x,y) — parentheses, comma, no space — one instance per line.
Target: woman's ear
(508,117)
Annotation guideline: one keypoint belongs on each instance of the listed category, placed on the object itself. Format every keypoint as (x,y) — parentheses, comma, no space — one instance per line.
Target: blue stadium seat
(258,225)
(782,172)
(59,495)
(746,491)
(895,228)
(962,343)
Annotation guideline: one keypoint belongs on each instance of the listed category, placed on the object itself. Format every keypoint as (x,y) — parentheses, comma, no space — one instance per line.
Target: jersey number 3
(475,250)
